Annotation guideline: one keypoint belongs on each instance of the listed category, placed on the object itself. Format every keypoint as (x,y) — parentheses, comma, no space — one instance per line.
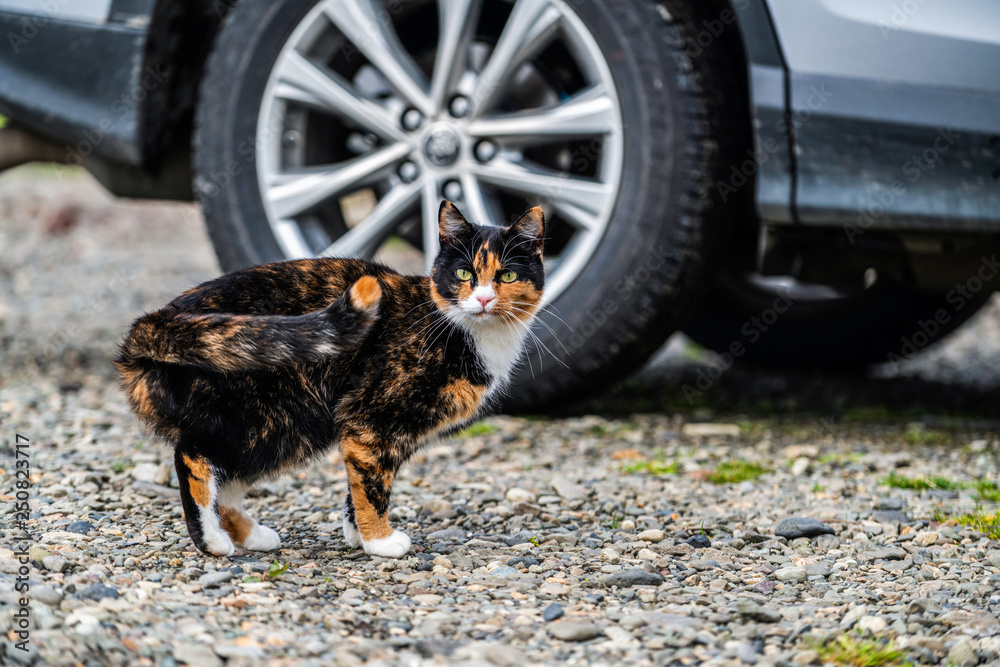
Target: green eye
(508,276)
(463,274)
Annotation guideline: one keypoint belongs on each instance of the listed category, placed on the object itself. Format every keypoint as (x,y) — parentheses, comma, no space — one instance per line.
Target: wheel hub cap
(441,147)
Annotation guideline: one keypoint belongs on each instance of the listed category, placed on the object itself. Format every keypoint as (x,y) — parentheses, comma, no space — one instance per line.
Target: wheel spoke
(529,27)
(302,81)
(482,209)
(364,239)
(292,192)
(360,22)
(456,24)
(582,200)
(430,205)
(588,113)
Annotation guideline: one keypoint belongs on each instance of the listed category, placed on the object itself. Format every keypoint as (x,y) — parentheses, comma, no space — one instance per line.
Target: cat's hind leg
(370,479)
(240,526)
(351,533)
(199,483)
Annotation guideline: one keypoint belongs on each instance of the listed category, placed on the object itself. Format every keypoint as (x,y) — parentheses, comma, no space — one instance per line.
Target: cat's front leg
(370,478)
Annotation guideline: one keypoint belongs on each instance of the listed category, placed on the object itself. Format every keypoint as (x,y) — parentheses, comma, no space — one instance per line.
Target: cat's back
(281,288)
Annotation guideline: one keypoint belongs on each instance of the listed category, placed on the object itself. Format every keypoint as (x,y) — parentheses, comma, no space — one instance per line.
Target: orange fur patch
(486,267)
(371,525)
(200,480)
(366,293)
(236,523)
(465,398)
(522,297)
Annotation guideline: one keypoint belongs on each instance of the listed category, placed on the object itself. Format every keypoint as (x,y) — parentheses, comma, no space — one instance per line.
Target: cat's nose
(485,300)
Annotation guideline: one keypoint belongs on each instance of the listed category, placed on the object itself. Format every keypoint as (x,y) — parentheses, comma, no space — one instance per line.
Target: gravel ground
(605,535)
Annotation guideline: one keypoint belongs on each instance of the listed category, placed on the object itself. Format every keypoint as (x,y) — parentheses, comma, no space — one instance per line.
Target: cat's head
(486,275)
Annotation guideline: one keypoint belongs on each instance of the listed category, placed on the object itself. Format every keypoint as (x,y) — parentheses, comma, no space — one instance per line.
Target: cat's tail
(223,342)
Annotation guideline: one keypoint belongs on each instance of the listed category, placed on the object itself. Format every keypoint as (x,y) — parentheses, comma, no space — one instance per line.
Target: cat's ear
(531,226)
(452,225)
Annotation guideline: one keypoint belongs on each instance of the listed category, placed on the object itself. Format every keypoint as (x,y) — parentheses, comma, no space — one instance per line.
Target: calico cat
(260,370)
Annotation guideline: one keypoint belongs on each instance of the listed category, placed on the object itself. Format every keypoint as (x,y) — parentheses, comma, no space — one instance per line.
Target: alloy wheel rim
(460,128)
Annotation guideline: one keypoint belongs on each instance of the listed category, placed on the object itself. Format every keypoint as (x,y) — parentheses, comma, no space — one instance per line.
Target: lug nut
(459,107)
(452,191)
(486,151)
(408,171)
(412,119)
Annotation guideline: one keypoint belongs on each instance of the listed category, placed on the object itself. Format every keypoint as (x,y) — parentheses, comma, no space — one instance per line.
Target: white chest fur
(499,347)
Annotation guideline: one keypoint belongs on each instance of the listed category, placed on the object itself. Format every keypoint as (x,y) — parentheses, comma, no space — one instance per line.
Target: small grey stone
(889,504)
(818,570)
(568,489)
(791,574)
(889,516)
(574,632)
(54,563)
(452,534)
(881,553)
(750,609)
(941,494)
(962,655)
(504,571)
(552,612)
(97,592)
(522,561)
(765,587)
(797,526)
(214,579)
(196,655)
(747,652)
(519,537)
(81,527)
(634,576)
(46,595)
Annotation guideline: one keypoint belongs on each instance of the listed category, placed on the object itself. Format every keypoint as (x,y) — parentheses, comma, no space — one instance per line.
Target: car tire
(885,323)
(644,276)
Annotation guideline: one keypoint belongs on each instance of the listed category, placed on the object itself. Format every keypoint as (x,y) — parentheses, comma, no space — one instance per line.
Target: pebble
(196,655)
(962,654)
(635,576)
(889,516)
(519,495)
(890,504)
(215,579)
(794,527)
(699,541)
(552,612)
(504,572)
(653,535)
(448,534)
(568,490)
(872,624)
(54,563)
(750,609)
(80,527)
(791,574)
(924,539)
(574,632)
(710,430)
(609,555)
(97,592)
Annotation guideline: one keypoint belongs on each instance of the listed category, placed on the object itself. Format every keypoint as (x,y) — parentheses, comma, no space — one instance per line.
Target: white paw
(262,538)
(393,546)
(351,533)
(218,543)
